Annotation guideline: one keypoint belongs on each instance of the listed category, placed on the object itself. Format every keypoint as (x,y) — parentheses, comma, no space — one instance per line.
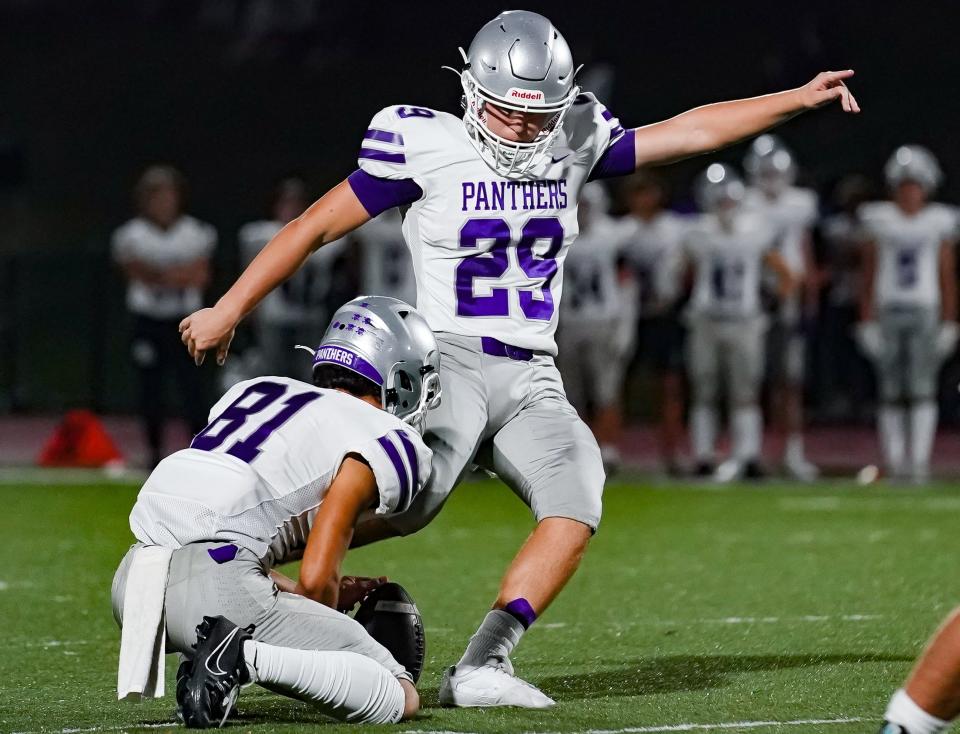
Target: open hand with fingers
(827,86)
(208,329)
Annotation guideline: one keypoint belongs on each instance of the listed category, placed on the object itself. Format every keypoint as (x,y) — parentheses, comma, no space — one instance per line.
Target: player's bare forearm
(331,217)
(715,126)
(948,282)
(353,490)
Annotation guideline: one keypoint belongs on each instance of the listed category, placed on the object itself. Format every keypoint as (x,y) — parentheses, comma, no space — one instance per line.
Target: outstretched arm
(336,213)
(714,126)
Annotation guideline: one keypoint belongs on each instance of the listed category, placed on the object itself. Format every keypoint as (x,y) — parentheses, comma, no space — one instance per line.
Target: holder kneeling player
(283,470)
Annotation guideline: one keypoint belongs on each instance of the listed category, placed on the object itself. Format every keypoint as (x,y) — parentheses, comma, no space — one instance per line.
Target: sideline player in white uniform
(655,255)
(771,171)
(296,312)
(599,321)
(492,211)
(285,470)
(908,306)
(727,248)
(385,265)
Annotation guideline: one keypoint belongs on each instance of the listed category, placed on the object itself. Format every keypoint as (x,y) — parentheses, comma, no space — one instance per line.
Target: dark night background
(238,93)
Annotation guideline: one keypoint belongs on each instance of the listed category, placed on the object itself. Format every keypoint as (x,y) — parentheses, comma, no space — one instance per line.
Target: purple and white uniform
(488,253)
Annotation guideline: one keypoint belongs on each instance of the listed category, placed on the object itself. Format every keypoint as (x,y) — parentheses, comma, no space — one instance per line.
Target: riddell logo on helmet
(527,95)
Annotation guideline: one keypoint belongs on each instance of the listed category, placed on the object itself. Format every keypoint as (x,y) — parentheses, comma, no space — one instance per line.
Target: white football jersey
(656,255)
(257,473)
(592,284)
(728,264)
(793,214)
(908,251)
(183,243)
(488,251)
(301,298)
(386,266)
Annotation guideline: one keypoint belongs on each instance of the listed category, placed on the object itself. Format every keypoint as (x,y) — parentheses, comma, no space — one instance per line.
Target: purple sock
(521,610)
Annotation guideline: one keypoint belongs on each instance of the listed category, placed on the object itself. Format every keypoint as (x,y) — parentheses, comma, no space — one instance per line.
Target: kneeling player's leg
(930,699)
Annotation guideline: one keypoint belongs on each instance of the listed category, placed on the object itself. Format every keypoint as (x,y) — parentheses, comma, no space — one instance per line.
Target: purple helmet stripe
(391,451)
(384,136)
(412,461)
(345,357)
(607,115)
(372,154)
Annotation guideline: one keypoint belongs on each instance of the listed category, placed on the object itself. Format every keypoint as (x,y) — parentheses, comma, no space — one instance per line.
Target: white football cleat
(489,685)
(801,469)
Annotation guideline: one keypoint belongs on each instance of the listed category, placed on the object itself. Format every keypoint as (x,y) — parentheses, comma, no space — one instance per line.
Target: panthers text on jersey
(257,473)
(908,251)
(793,214)
(655,254)
(488,251)
(301,298)
(728,263)
(386,269)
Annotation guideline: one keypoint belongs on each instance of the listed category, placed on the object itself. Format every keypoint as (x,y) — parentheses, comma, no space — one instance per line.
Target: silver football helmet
(913,163)
(718,188)
(770,164)
(518,61)
(389,343)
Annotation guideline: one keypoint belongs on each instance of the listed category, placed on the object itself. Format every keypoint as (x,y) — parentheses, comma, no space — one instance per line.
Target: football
(391,617)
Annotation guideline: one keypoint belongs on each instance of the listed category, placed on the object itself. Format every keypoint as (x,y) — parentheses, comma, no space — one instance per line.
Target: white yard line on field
(726,725)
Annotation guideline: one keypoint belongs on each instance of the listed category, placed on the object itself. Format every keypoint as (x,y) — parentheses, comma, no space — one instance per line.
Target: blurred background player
(727,248)
(385,265)
(908,305)
(297,311)
(843,374)
(598,322)
(792,211)
(165,257)
(654,254)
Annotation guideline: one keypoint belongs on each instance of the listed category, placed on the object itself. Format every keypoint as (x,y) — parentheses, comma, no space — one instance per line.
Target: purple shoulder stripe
(620,159)
(411,453)
(383,136)
(404,481)
(372,154)
(379,194)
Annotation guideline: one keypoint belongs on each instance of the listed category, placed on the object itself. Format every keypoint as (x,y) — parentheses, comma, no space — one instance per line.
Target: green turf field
(694,606)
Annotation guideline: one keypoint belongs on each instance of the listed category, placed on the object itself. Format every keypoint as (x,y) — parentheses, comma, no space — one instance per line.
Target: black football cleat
(704,469)
(754,471)
(208,694)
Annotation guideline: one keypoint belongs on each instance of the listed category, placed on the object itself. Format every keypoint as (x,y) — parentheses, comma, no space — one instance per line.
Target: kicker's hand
(206,330)
(353,589)
(826,87)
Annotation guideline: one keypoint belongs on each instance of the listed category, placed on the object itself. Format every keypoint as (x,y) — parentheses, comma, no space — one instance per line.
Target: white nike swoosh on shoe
(218,651)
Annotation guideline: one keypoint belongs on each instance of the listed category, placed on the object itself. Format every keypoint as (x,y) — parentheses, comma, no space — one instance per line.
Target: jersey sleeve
(613,152)
(121,244)
(388,159)
(869,218)
(400,461)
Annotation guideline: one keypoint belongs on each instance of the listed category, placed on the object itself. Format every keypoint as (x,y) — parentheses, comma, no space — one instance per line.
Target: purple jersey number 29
(494,263)
(235,415)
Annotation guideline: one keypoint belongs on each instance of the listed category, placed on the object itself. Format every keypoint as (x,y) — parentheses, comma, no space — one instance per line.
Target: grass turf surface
(780,603)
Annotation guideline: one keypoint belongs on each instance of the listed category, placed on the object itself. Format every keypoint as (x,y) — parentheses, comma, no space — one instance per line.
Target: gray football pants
(728,353)
(241,591)
(907,365)
(513,418)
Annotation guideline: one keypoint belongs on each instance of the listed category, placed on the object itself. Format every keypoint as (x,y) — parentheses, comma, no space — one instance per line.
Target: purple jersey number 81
(495,262)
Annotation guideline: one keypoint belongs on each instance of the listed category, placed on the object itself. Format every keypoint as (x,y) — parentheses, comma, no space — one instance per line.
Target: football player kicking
(930,699)
(908,306)
(284,470)
(492,211)
(728,248)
